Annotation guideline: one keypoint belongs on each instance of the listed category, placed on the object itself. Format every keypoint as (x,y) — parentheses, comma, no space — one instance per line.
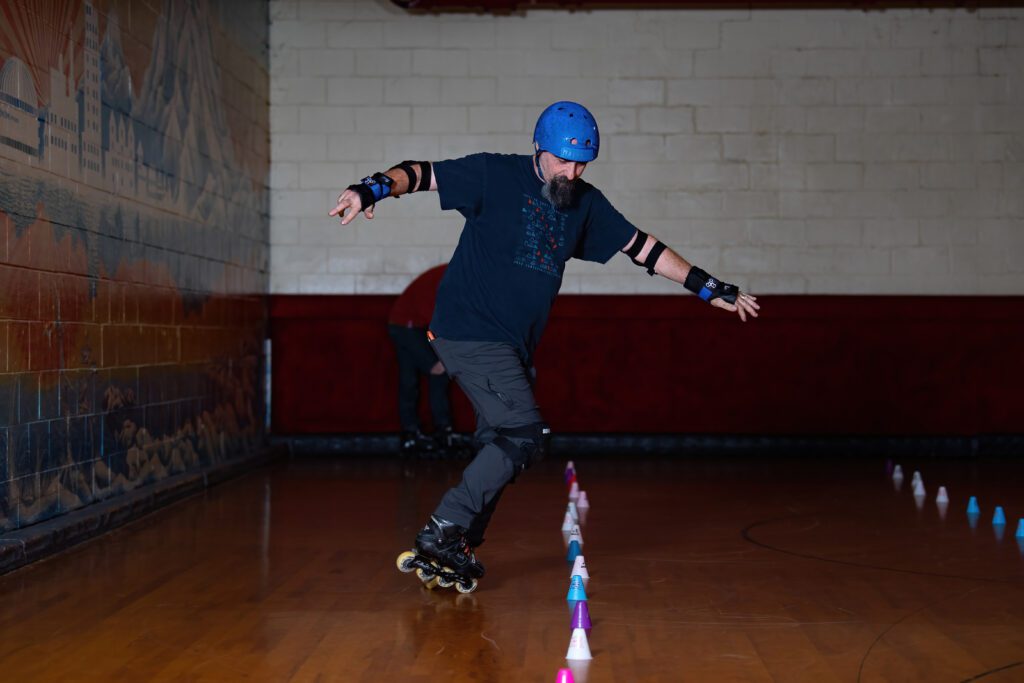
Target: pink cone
(565,676)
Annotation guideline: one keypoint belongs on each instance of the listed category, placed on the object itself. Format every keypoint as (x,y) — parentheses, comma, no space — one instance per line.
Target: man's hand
(745,305)
(348,201)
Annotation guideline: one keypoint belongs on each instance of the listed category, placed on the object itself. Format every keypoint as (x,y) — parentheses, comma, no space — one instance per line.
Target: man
(525,217)
(407,327)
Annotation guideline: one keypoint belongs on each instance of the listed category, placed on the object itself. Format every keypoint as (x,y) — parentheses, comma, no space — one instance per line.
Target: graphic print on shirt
(543,236)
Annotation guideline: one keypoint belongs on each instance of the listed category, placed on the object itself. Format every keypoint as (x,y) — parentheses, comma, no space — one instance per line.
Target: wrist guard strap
(372,189)
(707,287)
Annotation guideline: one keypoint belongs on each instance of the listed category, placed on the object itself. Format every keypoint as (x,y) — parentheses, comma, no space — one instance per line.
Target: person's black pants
(415,358)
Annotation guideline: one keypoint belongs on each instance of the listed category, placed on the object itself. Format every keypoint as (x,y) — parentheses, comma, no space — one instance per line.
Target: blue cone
(1020,528)
(972,506)
(999,518)
(576,591)
(574,550)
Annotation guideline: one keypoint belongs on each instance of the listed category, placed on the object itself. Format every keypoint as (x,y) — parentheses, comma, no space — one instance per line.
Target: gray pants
(499,386)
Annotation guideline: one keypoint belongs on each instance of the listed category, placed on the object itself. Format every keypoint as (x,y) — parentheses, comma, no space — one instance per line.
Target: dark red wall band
(836,365)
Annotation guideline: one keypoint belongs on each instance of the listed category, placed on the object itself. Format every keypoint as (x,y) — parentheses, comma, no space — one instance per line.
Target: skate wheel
(424,576)
(445,583)
(404,561)
(467,587)
(431,584)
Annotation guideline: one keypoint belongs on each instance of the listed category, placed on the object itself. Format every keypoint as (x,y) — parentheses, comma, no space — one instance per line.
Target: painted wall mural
(134,221)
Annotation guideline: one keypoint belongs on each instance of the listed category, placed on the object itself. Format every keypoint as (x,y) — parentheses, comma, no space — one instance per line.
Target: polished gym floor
(710,569)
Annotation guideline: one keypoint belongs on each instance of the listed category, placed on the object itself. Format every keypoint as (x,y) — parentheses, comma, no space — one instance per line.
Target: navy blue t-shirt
(507,268)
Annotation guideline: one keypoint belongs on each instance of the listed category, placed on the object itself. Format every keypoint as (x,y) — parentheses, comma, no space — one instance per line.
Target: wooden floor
(702,570)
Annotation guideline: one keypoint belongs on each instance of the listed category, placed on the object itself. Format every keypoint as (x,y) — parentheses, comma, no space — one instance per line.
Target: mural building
(134,220)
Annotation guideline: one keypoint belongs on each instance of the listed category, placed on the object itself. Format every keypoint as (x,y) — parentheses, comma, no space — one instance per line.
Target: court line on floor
(991,671)
(745,533)
(890,627)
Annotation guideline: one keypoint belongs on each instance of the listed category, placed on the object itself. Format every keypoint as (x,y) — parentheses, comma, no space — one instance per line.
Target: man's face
(560,179)
(556,166)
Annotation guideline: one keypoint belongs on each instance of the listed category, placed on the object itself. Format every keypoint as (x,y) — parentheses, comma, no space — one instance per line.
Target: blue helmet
(569,131)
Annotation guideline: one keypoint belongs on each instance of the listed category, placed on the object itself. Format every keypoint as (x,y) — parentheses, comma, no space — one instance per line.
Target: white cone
(572,510)
(579,648)
(919,489)
(575,535)
(916,478)
(579,568)
(942,496)
(574,491)
(897,472)
(568,523)
(570,466)
(583,502)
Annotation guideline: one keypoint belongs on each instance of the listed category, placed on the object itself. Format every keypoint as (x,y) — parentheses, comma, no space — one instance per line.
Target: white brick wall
(790,152)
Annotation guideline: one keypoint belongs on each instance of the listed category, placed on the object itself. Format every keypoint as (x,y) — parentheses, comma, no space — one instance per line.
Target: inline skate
(443,557)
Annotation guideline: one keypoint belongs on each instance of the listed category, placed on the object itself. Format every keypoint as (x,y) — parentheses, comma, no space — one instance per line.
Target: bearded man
(526,216)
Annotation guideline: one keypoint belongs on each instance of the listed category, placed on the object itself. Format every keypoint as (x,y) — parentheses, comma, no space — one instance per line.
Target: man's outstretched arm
(648,251)
(406,177)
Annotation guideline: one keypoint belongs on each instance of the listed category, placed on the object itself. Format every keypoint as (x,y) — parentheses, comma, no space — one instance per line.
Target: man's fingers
(368,212)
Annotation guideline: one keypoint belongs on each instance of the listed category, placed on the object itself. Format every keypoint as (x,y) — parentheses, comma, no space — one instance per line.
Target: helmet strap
(537,166)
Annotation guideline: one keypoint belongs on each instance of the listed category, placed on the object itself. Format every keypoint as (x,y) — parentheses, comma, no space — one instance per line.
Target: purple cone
(581,616)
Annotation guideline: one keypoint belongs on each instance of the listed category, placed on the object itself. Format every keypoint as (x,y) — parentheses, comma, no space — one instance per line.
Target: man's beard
(560,191)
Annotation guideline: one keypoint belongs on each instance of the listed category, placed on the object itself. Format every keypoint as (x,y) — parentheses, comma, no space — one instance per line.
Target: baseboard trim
(686,445)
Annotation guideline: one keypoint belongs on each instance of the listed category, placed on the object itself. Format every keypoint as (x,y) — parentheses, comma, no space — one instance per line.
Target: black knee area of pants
(532,450)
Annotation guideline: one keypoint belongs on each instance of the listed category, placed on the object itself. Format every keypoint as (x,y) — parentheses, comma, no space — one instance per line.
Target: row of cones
(942,500)
(580,624)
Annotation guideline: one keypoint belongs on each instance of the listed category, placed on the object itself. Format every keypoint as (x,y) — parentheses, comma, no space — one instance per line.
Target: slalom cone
(897,472)
(999,518)
(573,510)
(576,590)
(575,535)
(570,465)
(581,617)
(580,669)
(916,478)
(919,491)
(565,676)
(579,648)
(972,506)
(583,501)
(579,568)
(574,551)
(1020,528)
(942,496)
(574,491)
(568,522)
(569,474)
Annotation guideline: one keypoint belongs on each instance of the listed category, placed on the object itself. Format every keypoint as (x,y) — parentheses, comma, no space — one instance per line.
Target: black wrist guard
(652,256)
(372,189)
(707,287)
